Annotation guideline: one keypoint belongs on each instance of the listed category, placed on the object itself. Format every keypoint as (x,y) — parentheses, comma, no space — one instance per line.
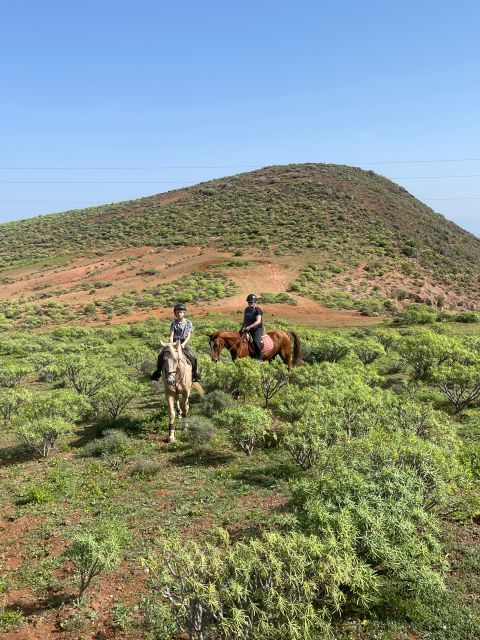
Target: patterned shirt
(181,329)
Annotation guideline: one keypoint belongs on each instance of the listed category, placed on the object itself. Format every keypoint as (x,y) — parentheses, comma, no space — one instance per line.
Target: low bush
(274,587)
(113,444)
(246,424)
(216,401)
(41,435)
(96,549)
(57,484)
(416,314)
(145,468)
(199,431)
(330,349)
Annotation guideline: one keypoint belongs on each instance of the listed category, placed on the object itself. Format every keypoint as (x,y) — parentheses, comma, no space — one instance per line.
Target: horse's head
(171,357)
(216,343)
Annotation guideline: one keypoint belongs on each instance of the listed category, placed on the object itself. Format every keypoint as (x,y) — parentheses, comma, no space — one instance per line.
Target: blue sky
(103,101)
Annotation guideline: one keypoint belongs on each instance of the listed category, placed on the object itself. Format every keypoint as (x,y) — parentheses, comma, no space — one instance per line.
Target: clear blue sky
(138,86)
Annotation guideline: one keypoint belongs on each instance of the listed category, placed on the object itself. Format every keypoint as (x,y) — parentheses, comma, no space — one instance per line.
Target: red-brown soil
(262,274)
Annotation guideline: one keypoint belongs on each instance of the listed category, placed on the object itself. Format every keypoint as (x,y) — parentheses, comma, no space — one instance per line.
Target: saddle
(267,342)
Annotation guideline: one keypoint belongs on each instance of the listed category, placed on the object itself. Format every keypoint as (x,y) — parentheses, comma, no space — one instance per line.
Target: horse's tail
(199,389)
(297,349)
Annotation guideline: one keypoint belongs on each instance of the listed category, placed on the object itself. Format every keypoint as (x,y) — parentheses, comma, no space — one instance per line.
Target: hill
(338,236)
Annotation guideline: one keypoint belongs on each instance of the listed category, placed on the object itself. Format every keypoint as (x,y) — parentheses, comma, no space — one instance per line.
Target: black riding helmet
(252,297)
(180,307)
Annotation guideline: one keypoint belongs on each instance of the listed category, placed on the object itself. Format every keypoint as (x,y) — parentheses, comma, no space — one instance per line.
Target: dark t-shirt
(250,315)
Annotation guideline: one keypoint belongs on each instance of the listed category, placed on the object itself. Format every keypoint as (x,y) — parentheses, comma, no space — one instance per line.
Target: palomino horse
(239,347)
(177,380)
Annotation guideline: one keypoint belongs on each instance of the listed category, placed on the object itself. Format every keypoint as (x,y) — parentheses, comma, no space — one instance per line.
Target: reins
(234,345)
(173,372)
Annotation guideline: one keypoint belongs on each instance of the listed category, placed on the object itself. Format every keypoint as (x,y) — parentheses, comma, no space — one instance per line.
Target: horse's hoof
(171,437)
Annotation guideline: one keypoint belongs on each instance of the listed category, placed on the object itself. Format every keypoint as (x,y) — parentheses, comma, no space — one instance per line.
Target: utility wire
(421,198)
(231,166)
(473,175)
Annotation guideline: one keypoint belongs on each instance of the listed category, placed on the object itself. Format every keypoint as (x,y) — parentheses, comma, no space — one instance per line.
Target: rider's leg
(192,358)
(257,342)
(156,375)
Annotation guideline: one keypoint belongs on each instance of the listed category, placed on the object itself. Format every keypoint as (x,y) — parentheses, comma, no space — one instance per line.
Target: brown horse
(239,347)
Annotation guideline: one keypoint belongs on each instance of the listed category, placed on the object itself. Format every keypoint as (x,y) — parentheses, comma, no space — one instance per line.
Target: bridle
(224,344)
(171,374)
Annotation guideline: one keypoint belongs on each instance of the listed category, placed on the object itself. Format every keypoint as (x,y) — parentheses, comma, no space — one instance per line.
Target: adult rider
(253,324)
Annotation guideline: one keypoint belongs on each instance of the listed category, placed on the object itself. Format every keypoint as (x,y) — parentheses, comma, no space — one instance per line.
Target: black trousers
(189,354)
(257,333)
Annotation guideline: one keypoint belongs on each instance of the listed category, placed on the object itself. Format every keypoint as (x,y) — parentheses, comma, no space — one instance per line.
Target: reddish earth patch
(74,283)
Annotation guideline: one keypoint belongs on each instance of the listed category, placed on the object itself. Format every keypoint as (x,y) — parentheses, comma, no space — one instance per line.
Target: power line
(473,175)
(58,201)
(231,166)
(466,198)
(98,182)
(420,161)
(421,198)
(238,166)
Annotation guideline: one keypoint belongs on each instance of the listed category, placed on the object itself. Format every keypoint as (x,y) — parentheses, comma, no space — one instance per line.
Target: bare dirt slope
(140,268)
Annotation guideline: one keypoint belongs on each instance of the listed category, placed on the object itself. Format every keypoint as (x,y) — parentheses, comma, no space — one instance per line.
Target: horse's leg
(185,403)
(171,416)
(286,355)
(185,406)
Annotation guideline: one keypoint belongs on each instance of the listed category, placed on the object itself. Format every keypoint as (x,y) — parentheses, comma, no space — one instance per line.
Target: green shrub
(58,483)
(416,314)
(96,549)
(459,383)
(273,377)
(12,374)
(199,431)
(216,401)
(375,497)
(425,351)
(10,402)
(62,403)
(41,435)
(87,375)
(115,397)
(113,444)
(246,424)
(467,316)
(330,349)
(368,350)
(274,587)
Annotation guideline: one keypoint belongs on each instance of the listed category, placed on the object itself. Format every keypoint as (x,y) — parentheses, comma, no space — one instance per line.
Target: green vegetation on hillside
(350,217)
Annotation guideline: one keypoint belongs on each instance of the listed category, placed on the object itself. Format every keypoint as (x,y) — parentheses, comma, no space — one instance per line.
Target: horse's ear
(209,335)
(162,344)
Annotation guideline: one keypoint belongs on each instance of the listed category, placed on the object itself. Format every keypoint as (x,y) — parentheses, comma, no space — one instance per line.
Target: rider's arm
(171,337)
(258,320)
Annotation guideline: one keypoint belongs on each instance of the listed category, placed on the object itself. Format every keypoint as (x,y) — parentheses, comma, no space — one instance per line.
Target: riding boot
(192,358)
(156,375)
(256,334)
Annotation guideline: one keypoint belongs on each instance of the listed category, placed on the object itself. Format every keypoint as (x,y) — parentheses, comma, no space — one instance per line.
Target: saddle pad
(267,343)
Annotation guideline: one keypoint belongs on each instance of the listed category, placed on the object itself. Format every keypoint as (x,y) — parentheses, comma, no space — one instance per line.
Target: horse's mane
(227,334)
